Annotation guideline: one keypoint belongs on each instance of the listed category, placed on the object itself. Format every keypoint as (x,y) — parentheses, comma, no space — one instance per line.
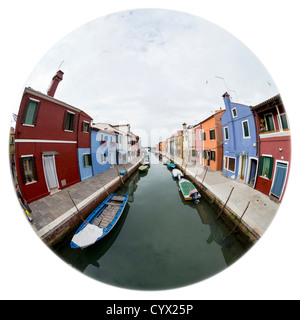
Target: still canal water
(160,242)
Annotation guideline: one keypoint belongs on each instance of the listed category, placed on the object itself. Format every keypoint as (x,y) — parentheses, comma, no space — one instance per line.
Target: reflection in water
(161,241)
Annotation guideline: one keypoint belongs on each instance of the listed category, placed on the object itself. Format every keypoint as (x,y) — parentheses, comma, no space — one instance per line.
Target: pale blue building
(103,150)
(239,142)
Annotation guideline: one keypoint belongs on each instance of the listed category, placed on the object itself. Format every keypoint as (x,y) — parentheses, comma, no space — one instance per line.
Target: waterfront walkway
(50,212)
(261,210)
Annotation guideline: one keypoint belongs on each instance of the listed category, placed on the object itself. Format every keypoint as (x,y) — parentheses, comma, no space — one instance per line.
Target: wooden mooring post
(120,175)
(75,206)
(102,184)
(225,203)
(240,219)
(206,168)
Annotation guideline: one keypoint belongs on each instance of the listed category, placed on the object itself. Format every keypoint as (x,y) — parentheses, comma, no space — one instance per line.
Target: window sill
(28,183)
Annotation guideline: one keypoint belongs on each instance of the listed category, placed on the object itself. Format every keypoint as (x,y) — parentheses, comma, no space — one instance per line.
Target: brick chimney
(55,81)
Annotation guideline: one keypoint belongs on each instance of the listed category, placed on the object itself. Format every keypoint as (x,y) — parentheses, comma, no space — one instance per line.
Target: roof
(269,101)
(54,100)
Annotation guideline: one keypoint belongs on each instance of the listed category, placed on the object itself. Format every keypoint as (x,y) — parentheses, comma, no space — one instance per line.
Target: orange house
(212,138)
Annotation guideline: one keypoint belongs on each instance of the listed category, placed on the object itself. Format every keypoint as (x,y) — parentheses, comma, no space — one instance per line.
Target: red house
(274,147)
(47,137)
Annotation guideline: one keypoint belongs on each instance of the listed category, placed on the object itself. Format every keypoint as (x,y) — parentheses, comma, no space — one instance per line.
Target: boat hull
(177,174)
(188,190)
(100,222)
(143,168)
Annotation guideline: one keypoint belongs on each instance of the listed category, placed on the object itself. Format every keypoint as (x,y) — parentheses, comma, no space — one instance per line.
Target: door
(50,171)
(279,180)
(243,167)
(253,168)
(208,158)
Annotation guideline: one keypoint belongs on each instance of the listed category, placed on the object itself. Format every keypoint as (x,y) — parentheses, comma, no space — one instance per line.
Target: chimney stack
(55,81)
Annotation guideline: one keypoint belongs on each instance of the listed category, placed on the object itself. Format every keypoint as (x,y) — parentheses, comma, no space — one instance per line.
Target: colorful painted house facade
(240,141)
(179,144)
(212,138)
(274,147)
(103,150)
(198,144)
(47,137)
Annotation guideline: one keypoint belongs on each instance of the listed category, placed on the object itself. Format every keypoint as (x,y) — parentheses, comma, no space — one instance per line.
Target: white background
(29,270)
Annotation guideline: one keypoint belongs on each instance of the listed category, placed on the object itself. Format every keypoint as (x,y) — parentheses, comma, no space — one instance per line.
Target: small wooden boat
(143,168)
(170,164)
(146,161)
(100,222)
(188,190)
(177,174)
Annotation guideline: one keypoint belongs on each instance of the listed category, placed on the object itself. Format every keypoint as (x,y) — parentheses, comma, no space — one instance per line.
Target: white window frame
(225,133)
(70,112)
(272,120)
(87,124)
(228,163)
(244,129)
(233,116)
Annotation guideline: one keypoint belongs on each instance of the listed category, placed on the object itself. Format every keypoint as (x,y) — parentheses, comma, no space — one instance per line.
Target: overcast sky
(154,69)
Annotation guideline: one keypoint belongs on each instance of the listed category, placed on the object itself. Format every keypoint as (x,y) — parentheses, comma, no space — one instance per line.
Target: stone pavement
(51,211)
(261,210)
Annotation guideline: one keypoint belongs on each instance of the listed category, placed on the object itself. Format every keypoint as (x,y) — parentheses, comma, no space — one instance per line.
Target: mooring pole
(119,175)
(238,220)
(204,174)
(103,186)
(225,203)
(75,206)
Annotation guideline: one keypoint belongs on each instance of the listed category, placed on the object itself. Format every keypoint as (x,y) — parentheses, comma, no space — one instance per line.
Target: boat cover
(187,187)
(87,236)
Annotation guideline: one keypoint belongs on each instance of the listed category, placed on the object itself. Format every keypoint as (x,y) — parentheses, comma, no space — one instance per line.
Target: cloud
(154,68)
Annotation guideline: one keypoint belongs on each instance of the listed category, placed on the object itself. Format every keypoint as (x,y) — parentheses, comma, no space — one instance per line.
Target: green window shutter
(261,165)
(271,168)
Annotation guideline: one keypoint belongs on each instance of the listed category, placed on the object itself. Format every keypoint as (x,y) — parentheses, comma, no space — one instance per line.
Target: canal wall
(54,232)
(247,212)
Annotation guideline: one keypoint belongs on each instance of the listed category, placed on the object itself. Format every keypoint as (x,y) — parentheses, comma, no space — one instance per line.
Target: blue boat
(170,164)
(123,172)
(100,222)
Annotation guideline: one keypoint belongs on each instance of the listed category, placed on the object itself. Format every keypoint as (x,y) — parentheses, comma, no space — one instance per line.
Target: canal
(160,242)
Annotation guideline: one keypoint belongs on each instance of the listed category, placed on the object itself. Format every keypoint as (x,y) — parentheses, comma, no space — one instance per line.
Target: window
(212,134)
(284,122)
(246,132)
(87,162)
(230,164)
(28,169)
(226,133)
(204,136)
(234,113)
(69,121)
(30,112)
(269,122)
(266,166)
(85,126)
(213,155)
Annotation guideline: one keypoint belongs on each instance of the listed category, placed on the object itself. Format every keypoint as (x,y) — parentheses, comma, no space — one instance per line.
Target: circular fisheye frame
(150,149)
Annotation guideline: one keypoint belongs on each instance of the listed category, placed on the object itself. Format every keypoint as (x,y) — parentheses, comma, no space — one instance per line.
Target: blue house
(103,150)
(239,142)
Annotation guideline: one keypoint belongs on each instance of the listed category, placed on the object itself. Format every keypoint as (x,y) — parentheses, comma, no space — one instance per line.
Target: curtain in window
(50,171)
(30,112)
